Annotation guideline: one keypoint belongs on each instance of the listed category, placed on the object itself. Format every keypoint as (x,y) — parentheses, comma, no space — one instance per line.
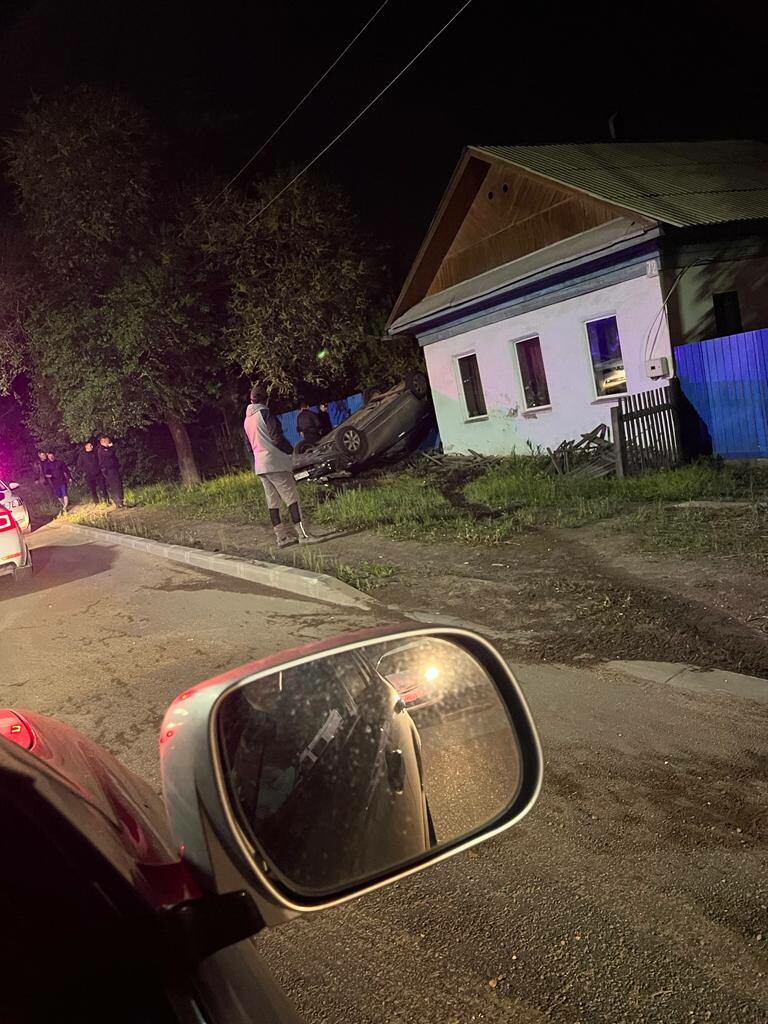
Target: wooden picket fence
(646,430)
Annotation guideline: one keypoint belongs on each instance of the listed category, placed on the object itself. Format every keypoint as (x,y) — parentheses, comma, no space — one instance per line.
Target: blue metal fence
(724,384)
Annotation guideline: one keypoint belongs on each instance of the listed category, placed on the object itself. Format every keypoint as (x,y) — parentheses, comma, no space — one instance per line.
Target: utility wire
(357,117)
(298,106)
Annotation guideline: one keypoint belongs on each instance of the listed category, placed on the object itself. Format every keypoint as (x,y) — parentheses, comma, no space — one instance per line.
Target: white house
(554,279)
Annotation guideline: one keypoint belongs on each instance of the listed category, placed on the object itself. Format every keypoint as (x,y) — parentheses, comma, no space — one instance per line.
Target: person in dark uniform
(308,424)
(58,475)
(88,467)
(325,420)
(110,469)
(41,474)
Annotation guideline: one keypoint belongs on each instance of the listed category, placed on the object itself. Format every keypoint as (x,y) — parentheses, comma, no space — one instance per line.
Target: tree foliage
(82,166)
(307,288)
(129,299)
(122,332)
(17,275)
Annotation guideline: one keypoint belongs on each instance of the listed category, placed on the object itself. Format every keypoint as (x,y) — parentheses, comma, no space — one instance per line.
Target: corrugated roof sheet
(677,183)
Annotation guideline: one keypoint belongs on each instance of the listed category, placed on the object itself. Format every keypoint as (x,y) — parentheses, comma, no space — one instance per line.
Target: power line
(298,106)
(355,119)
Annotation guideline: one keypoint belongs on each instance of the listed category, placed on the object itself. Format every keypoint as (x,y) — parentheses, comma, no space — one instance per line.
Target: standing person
(308,424)
(41,469)
(273,465)
(324,418)
(59,476)
(88,467)
(110,469)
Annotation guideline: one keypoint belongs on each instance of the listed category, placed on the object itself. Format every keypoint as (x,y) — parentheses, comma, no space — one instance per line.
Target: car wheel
(352,442)
(416,382)
(303,447)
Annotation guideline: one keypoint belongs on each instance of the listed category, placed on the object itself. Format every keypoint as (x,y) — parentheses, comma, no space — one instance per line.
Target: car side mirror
(314,776)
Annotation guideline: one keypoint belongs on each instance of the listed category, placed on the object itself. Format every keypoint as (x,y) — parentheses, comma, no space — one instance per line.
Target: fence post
(617,429)
(674,390)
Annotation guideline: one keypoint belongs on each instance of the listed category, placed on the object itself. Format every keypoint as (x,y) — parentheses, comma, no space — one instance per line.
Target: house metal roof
(678,183)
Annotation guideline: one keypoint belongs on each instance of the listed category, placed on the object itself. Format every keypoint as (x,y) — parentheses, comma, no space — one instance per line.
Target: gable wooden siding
(456,202)
(514,214)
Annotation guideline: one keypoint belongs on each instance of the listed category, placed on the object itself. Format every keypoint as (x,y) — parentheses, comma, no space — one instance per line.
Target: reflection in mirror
(352,764)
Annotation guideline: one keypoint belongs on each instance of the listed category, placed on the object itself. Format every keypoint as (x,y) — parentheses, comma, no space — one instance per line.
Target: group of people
(313,425)
(97,465)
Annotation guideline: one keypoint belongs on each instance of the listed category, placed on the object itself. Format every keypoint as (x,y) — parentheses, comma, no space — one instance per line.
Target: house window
(727,313)
(607,360)
(535,390)
(469,372)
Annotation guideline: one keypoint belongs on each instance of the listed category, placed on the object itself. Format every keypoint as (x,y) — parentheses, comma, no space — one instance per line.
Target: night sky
(218,78)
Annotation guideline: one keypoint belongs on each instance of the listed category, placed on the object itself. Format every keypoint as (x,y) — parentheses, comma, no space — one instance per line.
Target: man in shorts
(274,467)
(58,475)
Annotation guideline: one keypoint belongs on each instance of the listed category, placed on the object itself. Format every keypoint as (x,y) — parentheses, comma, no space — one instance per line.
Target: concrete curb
(690,677)
(298,582)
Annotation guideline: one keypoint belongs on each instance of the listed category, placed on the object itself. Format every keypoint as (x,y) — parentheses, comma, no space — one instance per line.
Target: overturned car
(392,422)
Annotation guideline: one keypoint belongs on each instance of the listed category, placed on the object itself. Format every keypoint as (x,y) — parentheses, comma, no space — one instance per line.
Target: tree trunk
(190,474)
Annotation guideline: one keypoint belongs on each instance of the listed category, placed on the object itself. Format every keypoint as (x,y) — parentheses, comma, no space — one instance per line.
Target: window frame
(468,418)
(608,315)
(722,312)
(520,341)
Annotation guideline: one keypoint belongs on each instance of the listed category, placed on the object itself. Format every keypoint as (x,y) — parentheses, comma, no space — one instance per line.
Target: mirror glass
(352,764)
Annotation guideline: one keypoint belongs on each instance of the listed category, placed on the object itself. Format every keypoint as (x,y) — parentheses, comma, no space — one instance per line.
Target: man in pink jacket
(273,464)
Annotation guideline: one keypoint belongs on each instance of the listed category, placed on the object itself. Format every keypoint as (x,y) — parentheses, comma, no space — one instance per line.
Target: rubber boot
(285,535)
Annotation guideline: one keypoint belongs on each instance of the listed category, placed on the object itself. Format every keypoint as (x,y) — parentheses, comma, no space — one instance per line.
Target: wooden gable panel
(462,190)
(514,214)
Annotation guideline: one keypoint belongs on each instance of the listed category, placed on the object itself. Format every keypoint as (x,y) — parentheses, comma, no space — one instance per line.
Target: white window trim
(585,324)
(460,386)
(516,360)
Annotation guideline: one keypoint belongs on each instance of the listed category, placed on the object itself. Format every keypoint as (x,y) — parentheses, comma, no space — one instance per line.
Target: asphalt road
(636,891)
(105,637)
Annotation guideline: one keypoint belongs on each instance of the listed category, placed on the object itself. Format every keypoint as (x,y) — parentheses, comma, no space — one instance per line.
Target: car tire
(352,442)
(416,382)
(303,447)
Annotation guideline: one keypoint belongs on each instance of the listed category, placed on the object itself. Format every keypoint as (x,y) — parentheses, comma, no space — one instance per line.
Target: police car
(15,556)
(15,505)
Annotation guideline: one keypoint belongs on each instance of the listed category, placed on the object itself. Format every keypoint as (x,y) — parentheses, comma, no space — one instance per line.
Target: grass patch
(741,531)
(519,487)
(403,502)
(516,494)
(236,497)
(365,576)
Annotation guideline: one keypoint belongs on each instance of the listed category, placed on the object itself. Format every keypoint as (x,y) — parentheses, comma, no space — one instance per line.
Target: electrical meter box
(656,368)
